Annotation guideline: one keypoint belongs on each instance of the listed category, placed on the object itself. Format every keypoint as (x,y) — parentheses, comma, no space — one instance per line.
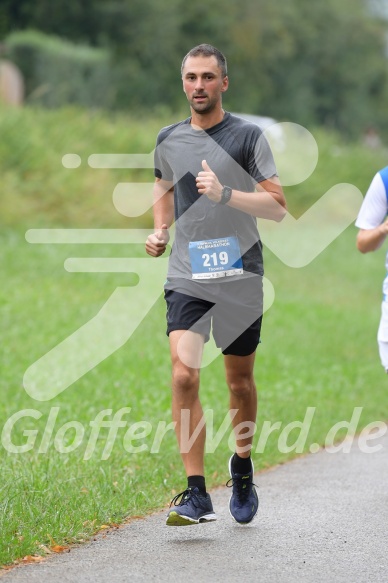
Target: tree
(308,62)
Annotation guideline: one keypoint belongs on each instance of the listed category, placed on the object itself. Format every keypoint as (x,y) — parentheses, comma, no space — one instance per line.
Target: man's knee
(241,386)
(185,378)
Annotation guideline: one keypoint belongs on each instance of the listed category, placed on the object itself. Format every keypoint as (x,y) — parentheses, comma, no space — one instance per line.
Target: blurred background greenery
(314,63)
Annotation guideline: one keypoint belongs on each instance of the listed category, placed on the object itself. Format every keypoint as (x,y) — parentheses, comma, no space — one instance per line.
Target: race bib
(215,258)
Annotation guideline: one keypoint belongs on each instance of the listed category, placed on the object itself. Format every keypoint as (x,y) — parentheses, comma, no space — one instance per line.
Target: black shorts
(234,310)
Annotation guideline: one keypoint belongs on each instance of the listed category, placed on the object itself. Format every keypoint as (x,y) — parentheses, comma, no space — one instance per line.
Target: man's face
(203,83)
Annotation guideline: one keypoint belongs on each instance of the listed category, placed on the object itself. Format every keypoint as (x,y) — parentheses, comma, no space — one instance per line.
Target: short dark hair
(207,51)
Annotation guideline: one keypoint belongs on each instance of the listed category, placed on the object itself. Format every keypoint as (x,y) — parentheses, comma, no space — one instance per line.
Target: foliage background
(308,62)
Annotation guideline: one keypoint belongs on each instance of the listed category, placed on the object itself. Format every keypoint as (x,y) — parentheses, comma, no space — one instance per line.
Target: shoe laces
(184,496)
(240,486)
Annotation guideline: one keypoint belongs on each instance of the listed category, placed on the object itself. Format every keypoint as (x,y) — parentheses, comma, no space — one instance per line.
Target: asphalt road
(322,518)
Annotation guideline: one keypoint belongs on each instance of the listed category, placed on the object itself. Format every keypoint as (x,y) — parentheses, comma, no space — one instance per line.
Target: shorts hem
(232,352)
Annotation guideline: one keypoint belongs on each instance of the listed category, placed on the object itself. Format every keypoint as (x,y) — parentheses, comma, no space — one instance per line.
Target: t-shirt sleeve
(260,161)
(374,207)
(162,168)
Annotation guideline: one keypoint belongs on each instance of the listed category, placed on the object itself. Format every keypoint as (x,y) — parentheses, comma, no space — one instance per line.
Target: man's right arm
(163,217)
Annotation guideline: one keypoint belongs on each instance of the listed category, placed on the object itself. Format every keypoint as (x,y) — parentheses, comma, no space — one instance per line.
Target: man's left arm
(267,202)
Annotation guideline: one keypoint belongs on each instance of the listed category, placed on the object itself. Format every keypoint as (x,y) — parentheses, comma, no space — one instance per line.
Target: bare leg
(243,396)
(187,347)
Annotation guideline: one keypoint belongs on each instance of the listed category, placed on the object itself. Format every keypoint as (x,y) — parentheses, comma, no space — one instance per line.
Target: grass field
(318,350)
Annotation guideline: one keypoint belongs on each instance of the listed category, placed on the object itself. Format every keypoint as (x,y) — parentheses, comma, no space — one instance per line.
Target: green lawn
(318,350)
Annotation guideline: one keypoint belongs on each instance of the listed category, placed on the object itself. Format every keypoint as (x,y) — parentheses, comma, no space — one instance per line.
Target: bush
(57,72)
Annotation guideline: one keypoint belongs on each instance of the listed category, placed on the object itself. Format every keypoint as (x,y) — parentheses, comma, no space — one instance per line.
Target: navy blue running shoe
(192,508)
(244,502)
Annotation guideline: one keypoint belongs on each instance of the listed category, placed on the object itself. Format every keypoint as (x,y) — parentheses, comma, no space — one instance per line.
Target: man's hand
(384,227)
(208,183)
(157,242)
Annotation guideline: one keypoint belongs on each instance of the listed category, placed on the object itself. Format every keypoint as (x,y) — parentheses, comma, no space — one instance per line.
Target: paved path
(322,518)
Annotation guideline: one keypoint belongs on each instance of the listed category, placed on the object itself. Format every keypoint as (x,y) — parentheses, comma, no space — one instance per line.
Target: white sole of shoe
(175,519)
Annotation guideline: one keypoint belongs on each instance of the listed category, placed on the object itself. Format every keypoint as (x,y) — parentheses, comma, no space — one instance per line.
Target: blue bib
(215,258)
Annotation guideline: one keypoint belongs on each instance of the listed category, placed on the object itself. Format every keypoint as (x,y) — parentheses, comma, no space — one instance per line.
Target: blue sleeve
(384,175)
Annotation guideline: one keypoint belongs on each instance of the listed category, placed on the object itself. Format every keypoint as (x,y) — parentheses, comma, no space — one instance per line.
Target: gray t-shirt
(240,156)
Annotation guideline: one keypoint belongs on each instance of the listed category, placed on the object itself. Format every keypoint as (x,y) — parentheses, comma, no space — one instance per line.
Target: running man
(214,175)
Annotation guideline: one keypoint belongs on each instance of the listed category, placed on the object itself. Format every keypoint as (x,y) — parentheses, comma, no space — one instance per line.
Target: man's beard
(202,108)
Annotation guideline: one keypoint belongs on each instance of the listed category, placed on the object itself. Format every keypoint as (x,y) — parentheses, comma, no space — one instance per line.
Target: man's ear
(225,84)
